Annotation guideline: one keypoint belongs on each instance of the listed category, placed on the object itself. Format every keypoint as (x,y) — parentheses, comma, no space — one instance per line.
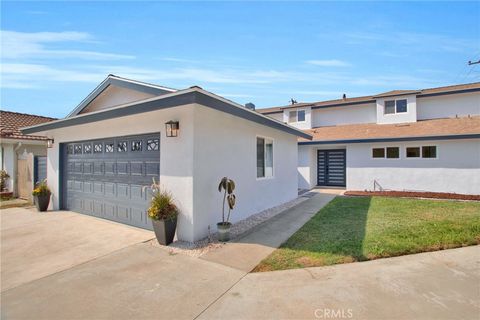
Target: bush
(162,206)
(41,189)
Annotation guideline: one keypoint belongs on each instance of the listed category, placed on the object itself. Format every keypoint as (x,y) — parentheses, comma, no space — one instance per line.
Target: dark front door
(109,178)
(331,168)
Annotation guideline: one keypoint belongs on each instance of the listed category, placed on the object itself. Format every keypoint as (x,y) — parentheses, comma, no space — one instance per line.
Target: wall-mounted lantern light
(171,128)
(50,143)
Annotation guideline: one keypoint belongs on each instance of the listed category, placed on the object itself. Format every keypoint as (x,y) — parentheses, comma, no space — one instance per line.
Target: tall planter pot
(165,230)
(42,202)
(224,231)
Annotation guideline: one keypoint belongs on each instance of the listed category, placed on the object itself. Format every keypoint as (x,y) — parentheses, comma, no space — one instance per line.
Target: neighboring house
(23,156)
(415,140)
(108,149)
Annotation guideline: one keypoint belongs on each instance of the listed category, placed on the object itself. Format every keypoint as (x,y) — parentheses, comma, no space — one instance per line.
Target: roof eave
(178,98)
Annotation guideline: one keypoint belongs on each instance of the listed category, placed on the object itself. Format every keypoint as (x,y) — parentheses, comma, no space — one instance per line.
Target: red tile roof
(11,122)
(422,128)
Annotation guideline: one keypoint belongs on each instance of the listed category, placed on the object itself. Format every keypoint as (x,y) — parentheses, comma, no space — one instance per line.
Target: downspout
(14,178)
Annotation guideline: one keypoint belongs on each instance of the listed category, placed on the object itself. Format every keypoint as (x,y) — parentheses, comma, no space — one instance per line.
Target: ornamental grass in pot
(42,194)
(223,228)
(163,213)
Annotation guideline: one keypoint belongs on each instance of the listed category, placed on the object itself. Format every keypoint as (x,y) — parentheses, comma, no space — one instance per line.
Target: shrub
(41,189)
(3,179)
(161,206)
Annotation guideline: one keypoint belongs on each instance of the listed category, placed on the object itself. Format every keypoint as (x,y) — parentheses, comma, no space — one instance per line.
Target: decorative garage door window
(109,178)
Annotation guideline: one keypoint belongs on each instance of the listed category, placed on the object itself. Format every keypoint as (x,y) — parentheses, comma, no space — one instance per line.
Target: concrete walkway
(245,253)
(435,285)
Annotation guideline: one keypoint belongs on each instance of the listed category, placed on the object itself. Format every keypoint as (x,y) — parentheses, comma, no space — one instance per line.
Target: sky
(53,54)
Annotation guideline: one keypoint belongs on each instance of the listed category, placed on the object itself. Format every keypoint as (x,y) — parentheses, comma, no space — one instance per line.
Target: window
(395,106)
(137,145)
(300,115)
(393,152)
(97,148)
(152,144)
(378,153)
(87,148)
(70,149)
(296,116)
(429,152)
(388,152)
(77,149)
(122,146)
(292,116)
(413,152)
(264,157)
(108,147)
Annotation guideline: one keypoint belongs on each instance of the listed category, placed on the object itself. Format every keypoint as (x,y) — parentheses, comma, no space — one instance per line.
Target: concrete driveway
(133,279)
(35,245)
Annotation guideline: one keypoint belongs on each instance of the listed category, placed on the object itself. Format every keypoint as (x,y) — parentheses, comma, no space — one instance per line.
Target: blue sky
(54,53)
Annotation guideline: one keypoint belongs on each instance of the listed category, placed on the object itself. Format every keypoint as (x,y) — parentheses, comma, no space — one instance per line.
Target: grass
(353,229)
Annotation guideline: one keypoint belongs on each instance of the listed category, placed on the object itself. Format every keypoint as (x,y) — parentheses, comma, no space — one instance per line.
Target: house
(125,132)
(22,156)
(404,140)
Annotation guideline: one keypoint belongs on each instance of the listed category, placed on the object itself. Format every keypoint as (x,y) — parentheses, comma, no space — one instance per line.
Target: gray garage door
(331,167)
(109,178)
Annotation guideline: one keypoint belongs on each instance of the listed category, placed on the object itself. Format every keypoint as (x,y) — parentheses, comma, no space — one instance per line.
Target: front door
(331,168)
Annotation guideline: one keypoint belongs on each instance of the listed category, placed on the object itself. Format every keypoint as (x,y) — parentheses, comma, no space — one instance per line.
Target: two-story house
(405,140)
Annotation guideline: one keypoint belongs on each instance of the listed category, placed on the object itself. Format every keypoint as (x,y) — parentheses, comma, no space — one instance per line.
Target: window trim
(265,138)
(296,115)
(385,153)
(395,100)
(421,152)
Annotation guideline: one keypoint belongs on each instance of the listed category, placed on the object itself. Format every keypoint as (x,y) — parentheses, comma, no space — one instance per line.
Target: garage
(109,178)
(331,168)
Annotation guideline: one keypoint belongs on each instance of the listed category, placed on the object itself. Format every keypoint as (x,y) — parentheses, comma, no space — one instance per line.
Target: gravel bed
(198,248)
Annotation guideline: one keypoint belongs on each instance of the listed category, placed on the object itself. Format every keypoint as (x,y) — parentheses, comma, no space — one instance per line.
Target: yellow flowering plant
(161,206)
(41,189)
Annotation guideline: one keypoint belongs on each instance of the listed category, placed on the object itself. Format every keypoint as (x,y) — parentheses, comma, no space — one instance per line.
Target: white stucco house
(402,140)
(110,147)
(22,156)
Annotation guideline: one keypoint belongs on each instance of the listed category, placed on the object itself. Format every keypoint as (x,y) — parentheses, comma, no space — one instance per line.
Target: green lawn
(352,229)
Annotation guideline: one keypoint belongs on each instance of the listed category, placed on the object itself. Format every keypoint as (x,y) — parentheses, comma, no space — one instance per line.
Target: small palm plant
(227,186)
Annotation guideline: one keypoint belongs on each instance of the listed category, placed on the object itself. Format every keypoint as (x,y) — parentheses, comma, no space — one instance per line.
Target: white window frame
(296,115)
(421,152)
(385,153)
(395,109)
(265,138)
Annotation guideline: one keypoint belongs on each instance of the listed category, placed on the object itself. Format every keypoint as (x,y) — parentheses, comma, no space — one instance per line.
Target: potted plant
(42,194)
(3,180)
(227,185)
(163,213)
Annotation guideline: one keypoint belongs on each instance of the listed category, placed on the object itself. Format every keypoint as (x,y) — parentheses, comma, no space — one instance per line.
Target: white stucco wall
(362,113)
(12,148)
(210,145)
(115,96)
(176,161)
(448,106)
(225,145)
(307,124)
(409,116)
(457,168)
(276,116)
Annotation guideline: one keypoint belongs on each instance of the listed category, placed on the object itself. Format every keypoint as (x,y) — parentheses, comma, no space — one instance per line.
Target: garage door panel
(109,178)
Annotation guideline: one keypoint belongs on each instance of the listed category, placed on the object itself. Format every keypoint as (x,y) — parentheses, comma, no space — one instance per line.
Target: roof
(191,95)
(120,82)
(11,122)
(459,88)
(420,130)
